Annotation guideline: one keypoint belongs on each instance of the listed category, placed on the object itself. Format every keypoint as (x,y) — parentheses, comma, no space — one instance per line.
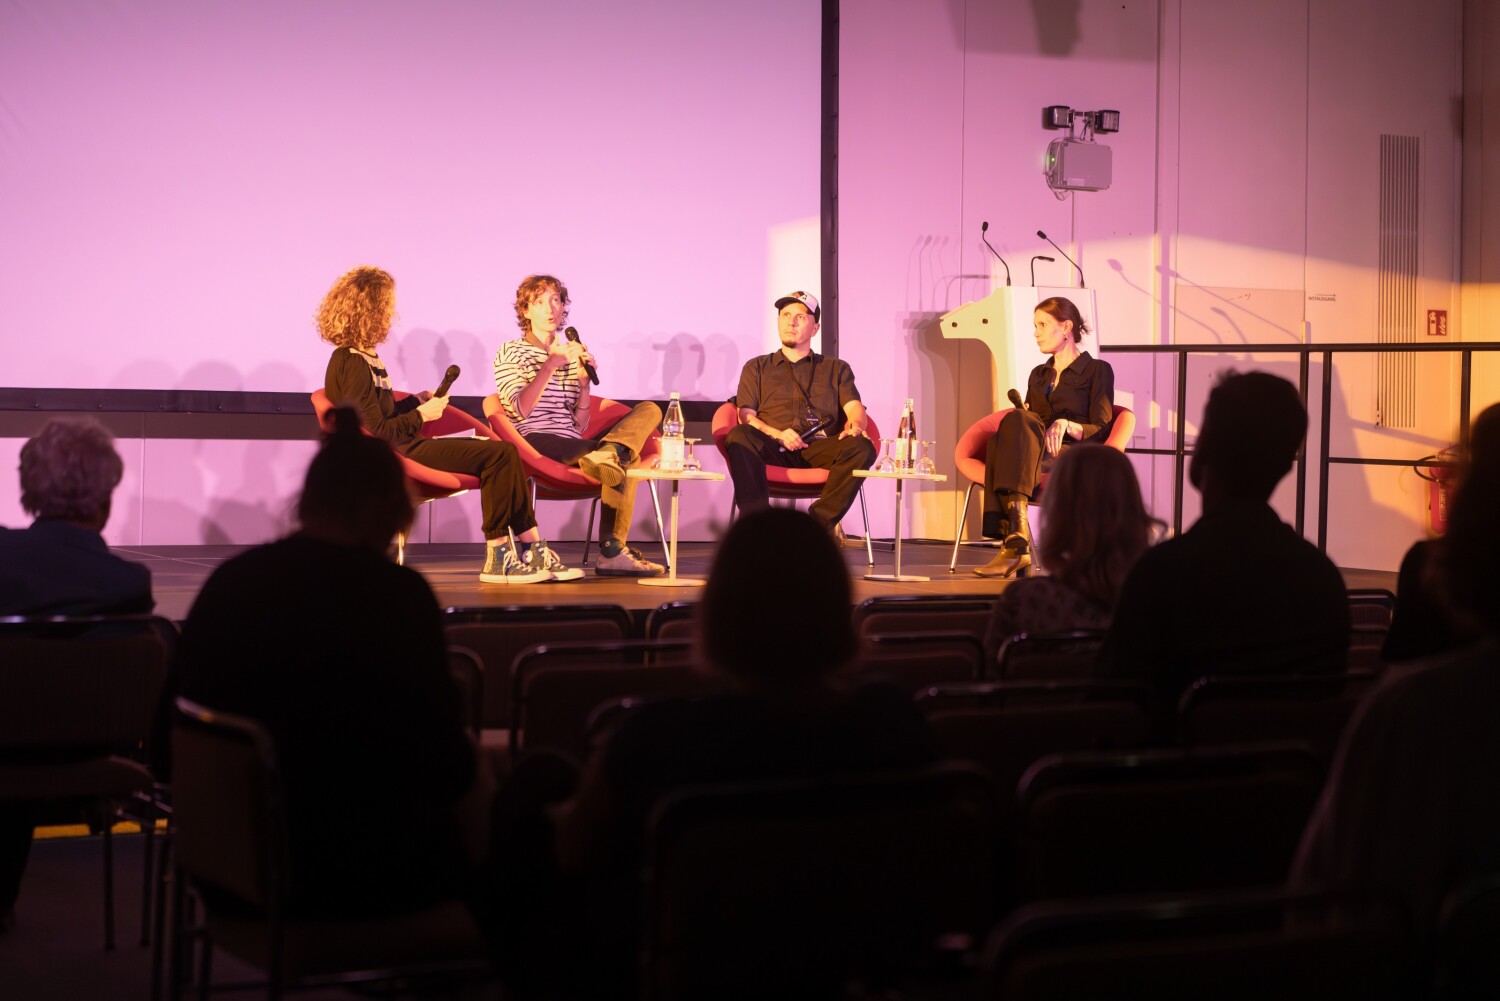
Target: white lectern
(1002,320)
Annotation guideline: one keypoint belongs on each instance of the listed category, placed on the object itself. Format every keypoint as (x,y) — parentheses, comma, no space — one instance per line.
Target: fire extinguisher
(1440,482)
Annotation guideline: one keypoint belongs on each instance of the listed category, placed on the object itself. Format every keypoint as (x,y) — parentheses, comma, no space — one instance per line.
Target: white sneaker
(503,566)
(542,555)
(628,562)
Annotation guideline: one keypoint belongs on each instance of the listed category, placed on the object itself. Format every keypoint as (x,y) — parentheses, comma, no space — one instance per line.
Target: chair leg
(148,843)
(109,876)
(958,535)
(159,917)
(588,534)
(661,528)
(864,513)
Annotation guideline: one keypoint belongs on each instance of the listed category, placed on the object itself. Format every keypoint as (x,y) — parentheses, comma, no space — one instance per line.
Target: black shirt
(1084,393)
(1238,593)
(779,391)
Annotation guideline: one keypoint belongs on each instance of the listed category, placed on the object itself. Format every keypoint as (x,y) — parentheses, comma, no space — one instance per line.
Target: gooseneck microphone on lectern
(1034,259)
(1081,282)
(571,333)
(448,379)
(984,228)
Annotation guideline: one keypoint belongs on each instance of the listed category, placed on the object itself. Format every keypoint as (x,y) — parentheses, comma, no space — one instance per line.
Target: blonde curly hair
(358,309)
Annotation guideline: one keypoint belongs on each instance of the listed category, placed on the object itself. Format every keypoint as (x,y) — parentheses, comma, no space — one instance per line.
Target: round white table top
(901,474)
(671,474)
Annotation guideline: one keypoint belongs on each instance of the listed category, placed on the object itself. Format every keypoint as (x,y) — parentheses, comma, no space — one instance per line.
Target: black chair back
(498,634)
(1239,945)
(1175,820)
(796,888)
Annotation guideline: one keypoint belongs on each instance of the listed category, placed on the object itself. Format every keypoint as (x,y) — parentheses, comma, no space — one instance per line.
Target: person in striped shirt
(544,391)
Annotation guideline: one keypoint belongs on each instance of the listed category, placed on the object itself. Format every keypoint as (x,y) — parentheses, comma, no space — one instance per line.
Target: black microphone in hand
(571,334)
(448,380)
(1015,399)
(1044,236)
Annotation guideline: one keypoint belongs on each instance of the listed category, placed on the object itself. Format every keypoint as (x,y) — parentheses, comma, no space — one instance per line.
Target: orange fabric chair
(427,484)
(552,480)
(789,483)
(968,456)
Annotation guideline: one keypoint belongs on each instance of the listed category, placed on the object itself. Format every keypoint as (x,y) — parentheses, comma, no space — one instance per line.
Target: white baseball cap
(807,299)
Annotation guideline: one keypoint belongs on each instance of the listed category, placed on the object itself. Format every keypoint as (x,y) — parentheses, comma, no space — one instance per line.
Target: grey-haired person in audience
(61,565)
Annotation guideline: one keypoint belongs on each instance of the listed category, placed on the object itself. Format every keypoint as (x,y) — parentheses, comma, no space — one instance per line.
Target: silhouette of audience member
(340,654)
(1096,527)
(789,710)
(1411,810)
(1424,622)
(1240,592)
(61,565)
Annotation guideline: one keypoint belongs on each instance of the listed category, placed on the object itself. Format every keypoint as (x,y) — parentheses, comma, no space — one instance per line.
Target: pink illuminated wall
(183,180)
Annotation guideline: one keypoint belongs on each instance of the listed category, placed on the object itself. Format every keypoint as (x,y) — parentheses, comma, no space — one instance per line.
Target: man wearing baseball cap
(801,410)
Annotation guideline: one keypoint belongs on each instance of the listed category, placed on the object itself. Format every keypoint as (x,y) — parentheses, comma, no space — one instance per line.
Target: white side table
(677,477)
(900,476)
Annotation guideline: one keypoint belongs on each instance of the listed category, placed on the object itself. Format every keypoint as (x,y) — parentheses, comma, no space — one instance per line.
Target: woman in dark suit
(1069,398)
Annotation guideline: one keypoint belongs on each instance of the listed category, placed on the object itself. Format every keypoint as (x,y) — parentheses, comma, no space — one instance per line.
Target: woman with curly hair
(1096,528)
(355,317)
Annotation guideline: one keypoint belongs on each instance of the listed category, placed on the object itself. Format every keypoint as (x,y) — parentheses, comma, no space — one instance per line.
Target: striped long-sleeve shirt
(516,365)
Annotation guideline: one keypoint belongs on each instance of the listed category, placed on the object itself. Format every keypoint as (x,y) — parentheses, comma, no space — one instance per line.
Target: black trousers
(750,452)
(1013,464)
(503,500)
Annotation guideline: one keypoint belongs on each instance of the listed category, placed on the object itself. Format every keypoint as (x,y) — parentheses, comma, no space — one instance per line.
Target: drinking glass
(925,465)
(886,463)
(690,463)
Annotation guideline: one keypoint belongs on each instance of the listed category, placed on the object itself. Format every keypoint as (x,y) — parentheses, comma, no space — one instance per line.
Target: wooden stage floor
(453,571)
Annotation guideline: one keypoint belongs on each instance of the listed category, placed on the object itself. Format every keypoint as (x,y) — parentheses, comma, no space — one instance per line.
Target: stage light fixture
(1057,116)
(1076,162)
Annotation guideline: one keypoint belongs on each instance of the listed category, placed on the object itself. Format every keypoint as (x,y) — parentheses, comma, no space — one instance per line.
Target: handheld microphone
(571,334)
(1044,236)
(1015,399)
(984,228)
(447,383)
(1034,259)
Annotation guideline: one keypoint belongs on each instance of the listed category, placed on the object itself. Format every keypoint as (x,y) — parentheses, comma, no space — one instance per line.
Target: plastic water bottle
(672,443)
(906,436)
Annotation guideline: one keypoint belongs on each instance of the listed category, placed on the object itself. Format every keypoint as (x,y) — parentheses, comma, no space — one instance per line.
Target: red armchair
(551,480)
(427,484)
(968,456)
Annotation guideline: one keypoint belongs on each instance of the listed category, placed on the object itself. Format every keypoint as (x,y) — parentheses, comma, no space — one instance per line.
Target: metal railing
(1305,352)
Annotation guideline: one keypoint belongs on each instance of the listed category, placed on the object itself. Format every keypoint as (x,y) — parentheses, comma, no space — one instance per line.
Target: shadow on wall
(422,356)
(1055,28)
(233,518)
(706,368)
